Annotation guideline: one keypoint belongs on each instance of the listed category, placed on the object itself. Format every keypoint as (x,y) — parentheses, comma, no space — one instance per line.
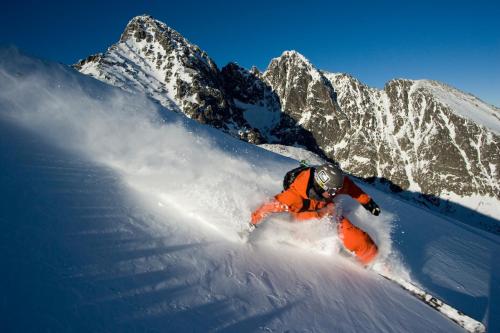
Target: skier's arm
(286,201)
(271,206)
(356,193)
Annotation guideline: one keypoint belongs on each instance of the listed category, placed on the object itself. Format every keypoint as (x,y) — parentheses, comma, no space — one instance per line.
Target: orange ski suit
(298,202)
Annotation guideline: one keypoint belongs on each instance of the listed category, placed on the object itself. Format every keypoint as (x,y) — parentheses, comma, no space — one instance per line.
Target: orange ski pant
(357,241)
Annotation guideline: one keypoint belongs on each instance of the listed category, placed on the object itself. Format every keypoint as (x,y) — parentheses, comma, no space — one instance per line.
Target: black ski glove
(372,207)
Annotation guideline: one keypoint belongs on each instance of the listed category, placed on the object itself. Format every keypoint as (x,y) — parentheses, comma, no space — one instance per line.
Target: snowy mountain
(419,140)
(121,215)
(424,139)
(155,59)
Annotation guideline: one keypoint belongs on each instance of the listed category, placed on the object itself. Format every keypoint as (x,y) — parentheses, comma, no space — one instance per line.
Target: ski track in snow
(120,215)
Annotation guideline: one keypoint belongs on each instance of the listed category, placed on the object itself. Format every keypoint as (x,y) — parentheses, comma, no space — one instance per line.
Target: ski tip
(468,323)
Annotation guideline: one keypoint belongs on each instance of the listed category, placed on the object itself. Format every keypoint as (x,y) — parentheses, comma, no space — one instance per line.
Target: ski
(461,319)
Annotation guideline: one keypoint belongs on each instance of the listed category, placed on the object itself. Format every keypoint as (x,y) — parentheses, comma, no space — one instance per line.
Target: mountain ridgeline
(416,135)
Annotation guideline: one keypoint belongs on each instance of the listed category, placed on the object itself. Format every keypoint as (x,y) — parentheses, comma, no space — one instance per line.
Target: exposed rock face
(421,136)
(309,102)
(262,108)
(408,134)
(258,103)
(153,58)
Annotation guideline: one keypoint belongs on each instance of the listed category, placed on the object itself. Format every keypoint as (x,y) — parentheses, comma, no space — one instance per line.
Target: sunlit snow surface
(465,105)
(118,215)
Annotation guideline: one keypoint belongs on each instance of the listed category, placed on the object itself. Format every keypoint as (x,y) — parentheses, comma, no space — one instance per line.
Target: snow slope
(119,215)
(465,105)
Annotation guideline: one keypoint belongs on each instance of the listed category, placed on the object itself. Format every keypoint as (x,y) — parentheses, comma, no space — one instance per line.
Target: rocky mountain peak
(153,58)
(292,62)
(145,29)
(140,26)
(294,57)
(291,72)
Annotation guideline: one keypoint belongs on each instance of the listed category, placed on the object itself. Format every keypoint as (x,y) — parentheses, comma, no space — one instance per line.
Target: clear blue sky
(457,42)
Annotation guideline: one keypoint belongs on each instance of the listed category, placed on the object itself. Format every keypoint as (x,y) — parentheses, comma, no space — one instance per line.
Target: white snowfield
(118,215)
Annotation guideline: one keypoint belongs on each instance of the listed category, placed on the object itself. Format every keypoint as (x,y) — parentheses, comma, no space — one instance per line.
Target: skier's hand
(251,227)
(329,209)
(372,207)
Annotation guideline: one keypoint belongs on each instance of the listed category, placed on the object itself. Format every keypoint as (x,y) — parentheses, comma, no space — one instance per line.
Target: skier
(308,194)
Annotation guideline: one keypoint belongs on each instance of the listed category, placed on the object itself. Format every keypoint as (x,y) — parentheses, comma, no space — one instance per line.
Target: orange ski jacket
(299,201)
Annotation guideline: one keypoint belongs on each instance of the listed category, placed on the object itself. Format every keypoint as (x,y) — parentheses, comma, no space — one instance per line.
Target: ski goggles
(333,191)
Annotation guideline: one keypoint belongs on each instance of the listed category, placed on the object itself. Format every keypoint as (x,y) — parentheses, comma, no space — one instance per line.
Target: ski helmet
(328,177)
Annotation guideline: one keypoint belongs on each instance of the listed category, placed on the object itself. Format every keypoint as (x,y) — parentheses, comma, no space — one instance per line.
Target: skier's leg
(357,241)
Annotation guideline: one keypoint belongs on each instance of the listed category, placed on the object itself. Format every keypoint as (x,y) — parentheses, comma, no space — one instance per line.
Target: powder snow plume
(183,166)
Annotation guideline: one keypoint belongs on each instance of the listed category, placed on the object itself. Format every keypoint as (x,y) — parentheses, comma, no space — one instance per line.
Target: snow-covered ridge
(463,104)
(154,59)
